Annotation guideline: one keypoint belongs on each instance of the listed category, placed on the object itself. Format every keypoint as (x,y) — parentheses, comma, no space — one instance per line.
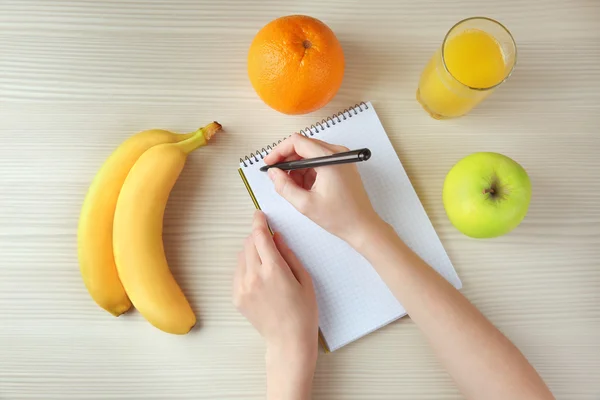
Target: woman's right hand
(333,196)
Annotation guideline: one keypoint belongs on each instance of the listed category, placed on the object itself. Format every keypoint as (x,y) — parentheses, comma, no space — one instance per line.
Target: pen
(338,158)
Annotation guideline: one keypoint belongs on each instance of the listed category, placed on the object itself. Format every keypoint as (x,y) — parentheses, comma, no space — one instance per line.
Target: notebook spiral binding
(308,131)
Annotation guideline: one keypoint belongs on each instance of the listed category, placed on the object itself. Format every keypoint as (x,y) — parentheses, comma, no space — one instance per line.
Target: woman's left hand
(275,293)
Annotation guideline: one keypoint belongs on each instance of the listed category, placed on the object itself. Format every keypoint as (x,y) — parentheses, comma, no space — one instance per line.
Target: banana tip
(211,129)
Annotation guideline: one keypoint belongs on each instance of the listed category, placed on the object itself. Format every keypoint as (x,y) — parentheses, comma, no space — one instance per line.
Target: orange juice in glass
(477,55)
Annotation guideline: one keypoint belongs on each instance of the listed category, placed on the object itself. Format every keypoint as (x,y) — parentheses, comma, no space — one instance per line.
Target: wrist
(380,243)
(297,359)
(290,371)
(367,235)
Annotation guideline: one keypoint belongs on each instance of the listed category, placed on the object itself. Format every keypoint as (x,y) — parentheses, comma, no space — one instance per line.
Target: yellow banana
(95,231)
(137,234)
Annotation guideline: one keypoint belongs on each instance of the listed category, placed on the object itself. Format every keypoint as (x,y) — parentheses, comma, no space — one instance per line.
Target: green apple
(486,195)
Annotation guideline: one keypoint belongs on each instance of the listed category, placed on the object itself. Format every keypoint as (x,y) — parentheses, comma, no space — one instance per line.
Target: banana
(95,231)
(137,234)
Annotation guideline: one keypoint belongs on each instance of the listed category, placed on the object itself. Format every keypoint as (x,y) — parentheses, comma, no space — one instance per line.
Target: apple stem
(490,191)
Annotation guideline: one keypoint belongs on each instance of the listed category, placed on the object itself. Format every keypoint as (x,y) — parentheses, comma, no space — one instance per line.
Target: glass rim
(501,26)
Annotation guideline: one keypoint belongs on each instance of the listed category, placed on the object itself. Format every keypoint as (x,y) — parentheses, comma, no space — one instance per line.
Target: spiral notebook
(353,300)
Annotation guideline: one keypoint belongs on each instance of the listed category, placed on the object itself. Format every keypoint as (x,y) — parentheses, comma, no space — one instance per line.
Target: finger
(298,177)
(293,157)
(251,255)
(263,240)
(290,258)
(297,174)
(309,179)
(297,144)
(333,147)
(289,190)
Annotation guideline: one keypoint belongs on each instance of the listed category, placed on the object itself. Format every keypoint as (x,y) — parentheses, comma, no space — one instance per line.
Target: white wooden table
(78,77)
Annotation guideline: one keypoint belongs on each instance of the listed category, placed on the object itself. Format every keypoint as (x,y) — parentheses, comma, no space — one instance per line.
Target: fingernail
(271,173)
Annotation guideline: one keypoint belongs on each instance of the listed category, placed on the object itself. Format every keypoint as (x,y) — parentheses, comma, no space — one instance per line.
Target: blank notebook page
(353,300)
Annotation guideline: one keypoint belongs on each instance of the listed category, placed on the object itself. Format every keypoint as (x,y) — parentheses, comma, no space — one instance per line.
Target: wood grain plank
(78,77)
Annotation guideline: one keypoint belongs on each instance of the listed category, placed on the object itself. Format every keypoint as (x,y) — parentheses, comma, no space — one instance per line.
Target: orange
(296,64)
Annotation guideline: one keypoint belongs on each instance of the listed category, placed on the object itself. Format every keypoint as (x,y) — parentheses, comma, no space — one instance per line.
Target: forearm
(481,360)
(289,375)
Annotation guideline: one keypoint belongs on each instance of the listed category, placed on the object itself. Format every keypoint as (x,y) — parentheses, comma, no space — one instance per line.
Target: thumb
(289,190)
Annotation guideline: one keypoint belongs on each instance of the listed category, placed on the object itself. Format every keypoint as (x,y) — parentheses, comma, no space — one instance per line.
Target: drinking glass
(476,56)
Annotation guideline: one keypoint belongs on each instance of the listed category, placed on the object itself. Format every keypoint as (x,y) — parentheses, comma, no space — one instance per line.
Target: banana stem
(199,138)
